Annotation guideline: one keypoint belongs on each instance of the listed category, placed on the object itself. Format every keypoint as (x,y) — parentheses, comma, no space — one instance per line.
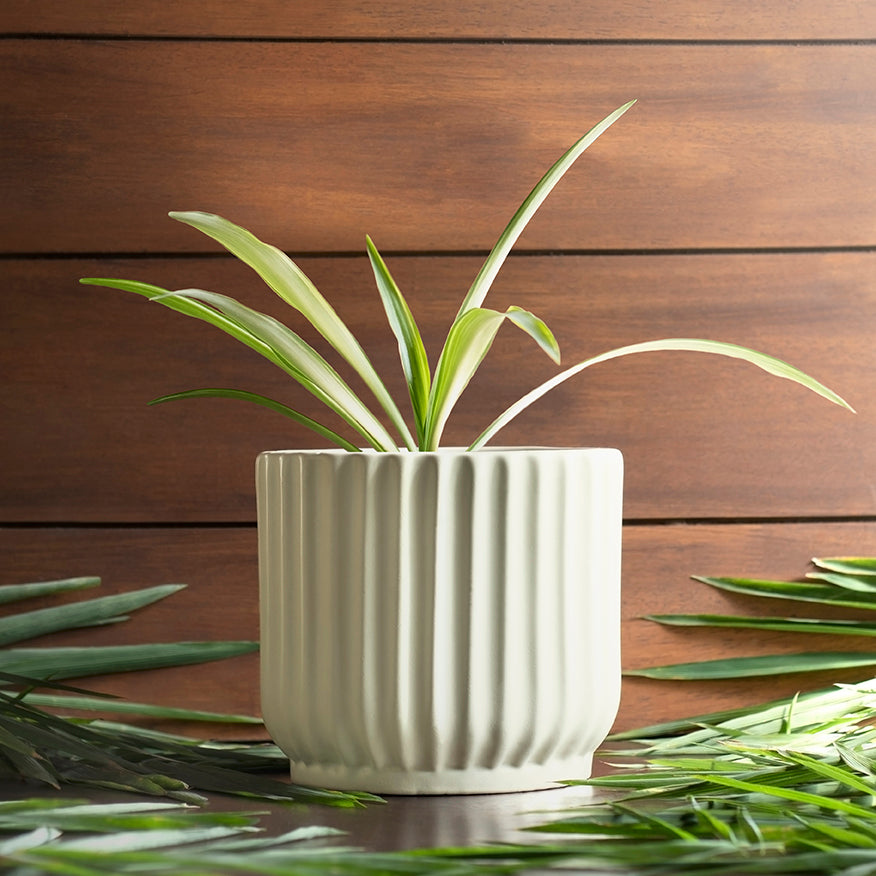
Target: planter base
(496,780)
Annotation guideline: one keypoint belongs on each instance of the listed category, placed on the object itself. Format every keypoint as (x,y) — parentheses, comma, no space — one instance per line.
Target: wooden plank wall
(736,200)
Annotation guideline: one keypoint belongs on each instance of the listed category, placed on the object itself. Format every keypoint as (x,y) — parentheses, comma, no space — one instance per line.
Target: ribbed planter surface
(441,622)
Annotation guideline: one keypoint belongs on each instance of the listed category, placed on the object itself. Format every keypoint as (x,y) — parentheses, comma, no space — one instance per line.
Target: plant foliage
(39,746)
(783,787)
(835,582)
(433,394)
(786,787)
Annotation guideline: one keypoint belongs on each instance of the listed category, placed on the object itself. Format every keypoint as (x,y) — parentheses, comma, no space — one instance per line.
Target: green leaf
(28,765)
(124,707)
(108,818)
(767,363)
(848,565)
(414,361)
(120,757)
(140,839)
(16,592)
(796,590)
(833,772)
(188,307)
(536,329)
(98,660)
(808,709)
(746,667)
(822,802)
(279,407)
(288,281)
(27,683)
(21,843)
(840,835)
(104,609)
(484,280)
(859,583)
(261,332)
(468,342)
(302,362)
(781,624)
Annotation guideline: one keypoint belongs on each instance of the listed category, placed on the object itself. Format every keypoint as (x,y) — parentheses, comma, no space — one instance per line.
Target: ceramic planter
(440,623)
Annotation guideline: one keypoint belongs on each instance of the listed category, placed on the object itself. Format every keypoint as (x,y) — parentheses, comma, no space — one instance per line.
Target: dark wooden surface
(432,147)
(399,19)
(735,201)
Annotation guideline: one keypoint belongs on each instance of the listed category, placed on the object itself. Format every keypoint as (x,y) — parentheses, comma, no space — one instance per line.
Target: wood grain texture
(735,201)
(220,567)
(432,147)
(702,436)
(512,19)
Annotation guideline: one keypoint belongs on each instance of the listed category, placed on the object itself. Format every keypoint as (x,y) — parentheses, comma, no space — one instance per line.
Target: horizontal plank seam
(748,521)
(447,253)
(629,522)
(434,40)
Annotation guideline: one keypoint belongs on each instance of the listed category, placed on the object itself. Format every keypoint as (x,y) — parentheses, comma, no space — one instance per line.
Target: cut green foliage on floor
(836,582)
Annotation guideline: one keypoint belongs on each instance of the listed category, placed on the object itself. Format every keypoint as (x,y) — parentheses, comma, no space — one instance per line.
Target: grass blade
(796,590)
(97,660)
(851,703)
(255,398)
(847,565)
(21,843)
(767,363)
(831,803)
(834,773)
(107,818)
(781,624)
(132,759)
(288,281)
(16,592)
(746,667)
(695,722)
(484,280)
(858,583)
(91,612)
(124,707)
(415,362)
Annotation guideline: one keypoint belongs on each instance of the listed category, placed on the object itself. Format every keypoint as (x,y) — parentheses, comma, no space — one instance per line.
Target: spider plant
(433,391)
(838,582)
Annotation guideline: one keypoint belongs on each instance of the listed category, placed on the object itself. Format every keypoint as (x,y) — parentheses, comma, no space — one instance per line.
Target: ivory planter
(440,623)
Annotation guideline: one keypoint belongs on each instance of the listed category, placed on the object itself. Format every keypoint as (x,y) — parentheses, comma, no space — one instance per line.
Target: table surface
(399,823)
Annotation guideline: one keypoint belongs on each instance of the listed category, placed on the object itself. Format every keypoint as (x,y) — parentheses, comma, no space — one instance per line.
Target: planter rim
(441,451)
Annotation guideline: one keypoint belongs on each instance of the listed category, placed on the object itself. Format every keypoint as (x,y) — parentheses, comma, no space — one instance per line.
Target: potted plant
(434,620)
